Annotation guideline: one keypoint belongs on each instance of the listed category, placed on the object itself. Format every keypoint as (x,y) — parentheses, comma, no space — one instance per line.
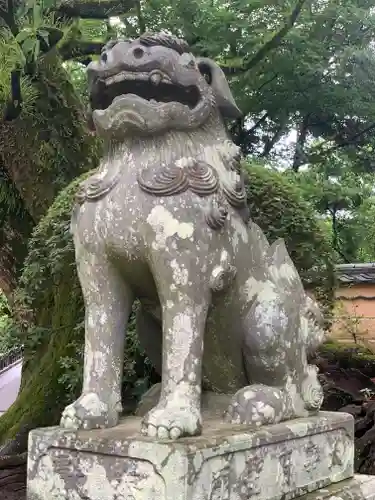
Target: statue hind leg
(276,338)
(278,394)
(270,399)
(108,301)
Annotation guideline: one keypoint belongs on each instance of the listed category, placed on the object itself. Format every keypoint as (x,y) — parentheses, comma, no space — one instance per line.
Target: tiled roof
(356,273)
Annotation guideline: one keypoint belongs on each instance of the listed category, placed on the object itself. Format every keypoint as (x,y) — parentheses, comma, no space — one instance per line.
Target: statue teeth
(119,77)
(156,78)
(116,78)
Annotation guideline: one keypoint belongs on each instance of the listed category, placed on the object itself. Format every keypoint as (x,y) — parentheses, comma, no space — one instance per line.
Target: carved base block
(360,487)
(227,462)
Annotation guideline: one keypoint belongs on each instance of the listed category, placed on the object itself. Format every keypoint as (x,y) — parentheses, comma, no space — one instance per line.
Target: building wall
(355,313)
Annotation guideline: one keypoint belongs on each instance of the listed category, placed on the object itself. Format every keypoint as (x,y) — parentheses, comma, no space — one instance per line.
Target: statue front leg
(108,302)
(184,311)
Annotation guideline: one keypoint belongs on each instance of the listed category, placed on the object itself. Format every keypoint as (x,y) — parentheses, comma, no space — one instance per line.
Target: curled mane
(149,39)
(164,40)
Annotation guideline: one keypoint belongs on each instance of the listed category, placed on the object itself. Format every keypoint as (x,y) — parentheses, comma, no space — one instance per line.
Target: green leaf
(48,4)
(36,50)
(22,35)
(37,14)
(43,33)
(28,46)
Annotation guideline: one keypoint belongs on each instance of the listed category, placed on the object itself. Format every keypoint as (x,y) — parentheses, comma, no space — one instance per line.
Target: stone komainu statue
(165,220)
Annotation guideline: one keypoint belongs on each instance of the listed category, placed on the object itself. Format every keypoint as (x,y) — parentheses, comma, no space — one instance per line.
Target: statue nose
(138,52)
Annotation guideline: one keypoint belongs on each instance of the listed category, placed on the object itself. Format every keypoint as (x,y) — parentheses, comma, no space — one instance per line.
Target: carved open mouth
(155,87)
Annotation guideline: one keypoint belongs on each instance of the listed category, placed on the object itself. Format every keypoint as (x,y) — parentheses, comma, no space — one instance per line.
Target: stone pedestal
(227,462)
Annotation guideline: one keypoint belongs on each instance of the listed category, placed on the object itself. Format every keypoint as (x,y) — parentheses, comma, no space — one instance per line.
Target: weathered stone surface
(213,405)
(226,462)
(360,487)
(165,220)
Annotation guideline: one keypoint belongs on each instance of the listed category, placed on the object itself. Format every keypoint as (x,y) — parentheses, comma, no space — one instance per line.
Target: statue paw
(90,412)
(167,421)
(257,405)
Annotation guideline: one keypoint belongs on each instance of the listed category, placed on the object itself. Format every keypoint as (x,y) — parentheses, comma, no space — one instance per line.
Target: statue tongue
(121,106)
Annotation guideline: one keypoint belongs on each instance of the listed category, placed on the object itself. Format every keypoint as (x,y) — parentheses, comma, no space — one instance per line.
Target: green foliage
(349,356)
(277,206)
(7,340)
(341,196)
(53,145)
(11,57)
(77,74)
(363,231)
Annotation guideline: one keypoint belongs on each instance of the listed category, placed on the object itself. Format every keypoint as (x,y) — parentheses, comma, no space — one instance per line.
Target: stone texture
(213,404)
(360,487)
(226,462)
(165,220)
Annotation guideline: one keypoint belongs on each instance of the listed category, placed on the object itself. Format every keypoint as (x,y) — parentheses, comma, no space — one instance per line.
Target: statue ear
(216,78)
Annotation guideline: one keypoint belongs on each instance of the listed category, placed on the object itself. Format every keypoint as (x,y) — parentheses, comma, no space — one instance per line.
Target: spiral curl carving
(312,391)
(217,214)
(202,179)
(173,179)
(95,187)
(313,398)
(236,195)
(168,181)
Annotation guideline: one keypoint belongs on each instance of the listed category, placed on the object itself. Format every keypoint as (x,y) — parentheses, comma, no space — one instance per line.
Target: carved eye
(104,57)
(138,52)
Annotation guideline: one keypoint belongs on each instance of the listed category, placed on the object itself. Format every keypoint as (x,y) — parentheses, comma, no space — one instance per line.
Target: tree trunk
(14,233)
(41,154)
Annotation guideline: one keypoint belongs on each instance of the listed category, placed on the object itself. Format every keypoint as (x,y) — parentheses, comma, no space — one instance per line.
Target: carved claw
(170,422)
(89,412)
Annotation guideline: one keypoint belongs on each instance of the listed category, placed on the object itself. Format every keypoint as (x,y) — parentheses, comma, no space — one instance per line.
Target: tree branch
(275,40)
(299,155)
(270,143)
(141,20)
(93,9)
(351,140)
(258,123)
(75,49)
(270,45)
